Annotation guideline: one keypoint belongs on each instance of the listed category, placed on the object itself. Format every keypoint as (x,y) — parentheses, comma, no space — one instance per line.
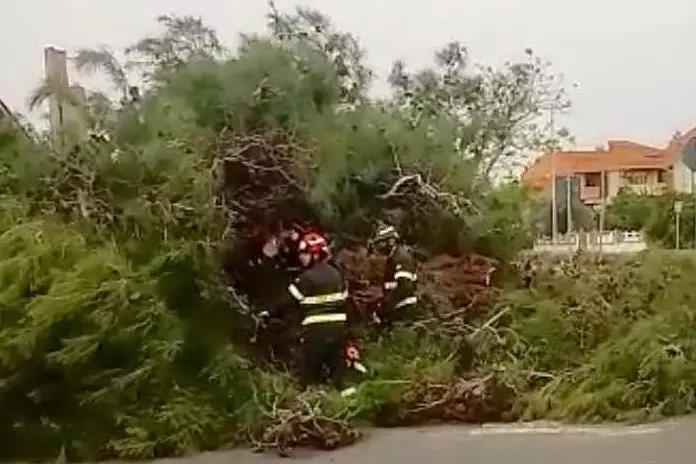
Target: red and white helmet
(312,248)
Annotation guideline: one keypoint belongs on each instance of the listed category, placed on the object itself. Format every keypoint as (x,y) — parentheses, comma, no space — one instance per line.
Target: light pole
(602,207)
(569,214)
(554,208)
(601,227)
(678,205)
(693,192)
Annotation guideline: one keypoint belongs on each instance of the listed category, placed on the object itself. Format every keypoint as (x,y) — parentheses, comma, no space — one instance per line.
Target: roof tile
(617,156)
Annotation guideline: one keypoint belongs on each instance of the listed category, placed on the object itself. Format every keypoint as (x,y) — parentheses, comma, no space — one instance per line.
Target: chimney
(61,115)
(56,71)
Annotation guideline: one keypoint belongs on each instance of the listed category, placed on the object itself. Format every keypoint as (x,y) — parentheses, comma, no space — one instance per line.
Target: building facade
(621,164)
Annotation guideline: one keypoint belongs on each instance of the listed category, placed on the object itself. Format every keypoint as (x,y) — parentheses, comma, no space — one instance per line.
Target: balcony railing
(657,188)
(613,241)
(589,193)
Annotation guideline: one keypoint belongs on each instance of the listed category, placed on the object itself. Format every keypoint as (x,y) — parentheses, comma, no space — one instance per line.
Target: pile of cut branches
(303,423)
(468,400)
(455,287)
(261,184)
(461,278)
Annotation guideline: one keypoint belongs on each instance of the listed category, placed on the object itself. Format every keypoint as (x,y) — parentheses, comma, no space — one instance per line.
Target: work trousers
(321,354)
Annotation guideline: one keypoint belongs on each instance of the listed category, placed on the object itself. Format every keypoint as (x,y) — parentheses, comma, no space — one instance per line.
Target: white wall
(614,241)
(682,178)
(613,183)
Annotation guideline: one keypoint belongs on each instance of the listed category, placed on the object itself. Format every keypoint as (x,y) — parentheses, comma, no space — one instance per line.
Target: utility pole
(602,206)
(552,147)
(569,214)
(678,205)
(56,72)
(693,192)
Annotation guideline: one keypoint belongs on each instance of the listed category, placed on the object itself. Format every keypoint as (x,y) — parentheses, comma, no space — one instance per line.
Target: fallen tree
(126,301)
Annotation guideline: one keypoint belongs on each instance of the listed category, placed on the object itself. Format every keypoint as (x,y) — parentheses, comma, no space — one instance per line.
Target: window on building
(593,180)
(636,177)
(662,176)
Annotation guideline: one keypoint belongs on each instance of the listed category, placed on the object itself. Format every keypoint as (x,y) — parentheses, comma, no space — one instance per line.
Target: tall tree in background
(103,60)
(72,112)
(48,88)
(94,111)
(495,112)
(310,28)
(184,38)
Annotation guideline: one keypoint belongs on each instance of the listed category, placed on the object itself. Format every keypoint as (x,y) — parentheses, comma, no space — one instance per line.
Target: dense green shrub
(608,340)
(656,216)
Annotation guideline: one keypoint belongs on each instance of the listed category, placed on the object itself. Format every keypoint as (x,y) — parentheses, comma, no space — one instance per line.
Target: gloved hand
(376,318)
(260,321)
(382,322)
(264,315)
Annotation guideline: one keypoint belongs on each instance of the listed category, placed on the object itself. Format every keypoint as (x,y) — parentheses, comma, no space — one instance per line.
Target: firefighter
(320,294)
(265,279)
(400,278)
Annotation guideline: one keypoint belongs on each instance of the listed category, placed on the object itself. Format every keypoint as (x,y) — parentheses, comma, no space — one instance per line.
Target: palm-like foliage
(103,60)
(73,117)
(52,88)
(94,110)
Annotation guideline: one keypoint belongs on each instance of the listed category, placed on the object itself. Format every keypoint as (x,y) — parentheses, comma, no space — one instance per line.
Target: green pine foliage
(610,340)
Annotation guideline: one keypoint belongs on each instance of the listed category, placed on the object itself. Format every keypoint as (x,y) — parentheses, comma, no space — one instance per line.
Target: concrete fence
(614,241)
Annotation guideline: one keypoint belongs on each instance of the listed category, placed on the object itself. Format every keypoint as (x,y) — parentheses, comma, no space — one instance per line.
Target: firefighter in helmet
(320,294)
(400,278)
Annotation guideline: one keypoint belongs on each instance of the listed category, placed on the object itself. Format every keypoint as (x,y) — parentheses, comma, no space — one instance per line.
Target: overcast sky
(633,62)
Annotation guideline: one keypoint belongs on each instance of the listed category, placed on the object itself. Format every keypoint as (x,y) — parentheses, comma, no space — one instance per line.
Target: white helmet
(385,232)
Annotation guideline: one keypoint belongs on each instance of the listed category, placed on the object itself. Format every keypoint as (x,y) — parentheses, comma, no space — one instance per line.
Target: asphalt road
(672,442)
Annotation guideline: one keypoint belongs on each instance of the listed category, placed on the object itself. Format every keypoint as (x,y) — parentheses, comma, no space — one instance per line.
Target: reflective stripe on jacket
(400,280)
(321,294)
(323,318)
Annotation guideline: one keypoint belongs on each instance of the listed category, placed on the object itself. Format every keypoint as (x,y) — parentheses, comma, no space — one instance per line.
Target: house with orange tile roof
(641,168)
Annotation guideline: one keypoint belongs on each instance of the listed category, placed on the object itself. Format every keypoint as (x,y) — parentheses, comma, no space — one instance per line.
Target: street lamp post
(554,207)
(693,192)
(569,213)
(601,227)
(678,206)
(602,208)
